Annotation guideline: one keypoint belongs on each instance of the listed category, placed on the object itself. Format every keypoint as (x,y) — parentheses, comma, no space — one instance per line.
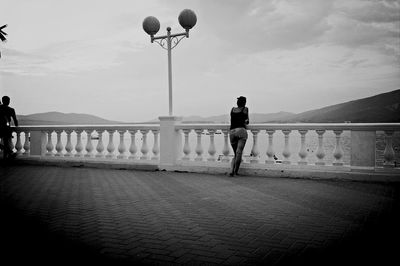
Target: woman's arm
(14,117)
(246,111)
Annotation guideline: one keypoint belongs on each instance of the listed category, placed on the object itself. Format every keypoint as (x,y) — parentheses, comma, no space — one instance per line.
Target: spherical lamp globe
(187,18)
(151,25)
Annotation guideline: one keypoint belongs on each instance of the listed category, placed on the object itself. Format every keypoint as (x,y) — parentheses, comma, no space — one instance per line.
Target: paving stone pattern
(66,215)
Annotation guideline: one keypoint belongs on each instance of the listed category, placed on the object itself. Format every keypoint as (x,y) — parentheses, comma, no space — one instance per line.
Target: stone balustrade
(171,144)
(360,140)
(89,142)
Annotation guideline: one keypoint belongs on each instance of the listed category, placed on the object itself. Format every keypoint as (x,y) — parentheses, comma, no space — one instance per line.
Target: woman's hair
(241,102)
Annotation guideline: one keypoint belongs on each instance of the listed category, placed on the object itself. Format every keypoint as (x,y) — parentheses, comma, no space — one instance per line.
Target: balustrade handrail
(216,126)
(88,127)
(299,126)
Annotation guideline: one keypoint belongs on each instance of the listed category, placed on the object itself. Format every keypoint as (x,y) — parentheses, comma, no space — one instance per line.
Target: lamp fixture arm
(161,40)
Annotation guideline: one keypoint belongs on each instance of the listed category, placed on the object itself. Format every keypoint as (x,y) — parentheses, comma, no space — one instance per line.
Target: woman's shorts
(237,134)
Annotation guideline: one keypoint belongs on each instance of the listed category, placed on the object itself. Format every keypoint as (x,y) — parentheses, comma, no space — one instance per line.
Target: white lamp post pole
(169,71)
(187,18)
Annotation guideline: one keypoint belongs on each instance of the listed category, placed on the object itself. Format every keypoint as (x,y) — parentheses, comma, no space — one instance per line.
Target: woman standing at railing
(238,132)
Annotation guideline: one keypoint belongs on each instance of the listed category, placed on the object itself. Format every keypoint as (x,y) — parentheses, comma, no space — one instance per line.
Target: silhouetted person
(238,132)
(6,113)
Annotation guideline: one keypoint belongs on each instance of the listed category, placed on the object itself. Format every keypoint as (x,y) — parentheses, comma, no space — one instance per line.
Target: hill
(381,108)
(58,118)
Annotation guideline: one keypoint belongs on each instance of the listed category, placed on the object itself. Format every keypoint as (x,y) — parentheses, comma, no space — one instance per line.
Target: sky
(93,57)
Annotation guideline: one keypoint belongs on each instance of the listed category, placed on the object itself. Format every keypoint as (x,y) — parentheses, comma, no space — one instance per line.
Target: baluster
(186,146)
(254,149)
(79,145)
(100,145)
(270,150)
(225,150)
(49,145)
(303,152)
(10,142)
(18,144)
(68,146)
(27,144)
(89,145)
(388,154)
(211,147)
(156,148)
(286,150)
(338,152)
(320,151)
(110,146)
(144,150)
(199,147)
(121,146)
(133,148)
(59,145)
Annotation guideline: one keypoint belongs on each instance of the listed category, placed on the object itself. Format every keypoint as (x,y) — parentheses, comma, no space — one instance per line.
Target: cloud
(259,25)
(69,57)
(254,26)
(371,24)
(376,11)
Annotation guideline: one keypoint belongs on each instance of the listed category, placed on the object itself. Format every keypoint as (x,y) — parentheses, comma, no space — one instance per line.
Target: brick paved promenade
(65,215)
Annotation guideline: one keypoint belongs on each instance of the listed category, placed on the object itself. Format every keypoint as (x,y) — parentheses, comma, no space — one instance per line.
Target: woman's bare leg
(233,163)
(238,155)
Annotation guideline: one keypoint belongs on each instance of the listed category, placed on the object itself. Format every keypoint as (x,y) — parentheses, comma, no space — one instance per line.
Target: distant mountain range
(58,118)
(381,108)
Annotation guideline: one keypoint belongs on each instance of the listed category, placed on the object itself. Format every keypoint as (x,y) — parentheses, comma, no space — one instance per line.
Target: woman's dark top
(239,119)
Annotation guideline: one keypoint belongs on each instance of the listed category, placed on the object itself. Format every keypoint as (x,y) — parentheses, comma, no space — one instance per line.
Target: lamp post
(187,19)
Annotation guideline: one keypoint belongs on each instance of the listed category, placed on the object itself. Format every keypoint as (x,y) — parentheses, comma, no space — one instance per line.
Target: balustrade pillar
(363,144)
(11,144)
(199,147)
(388,153)
(89,145)
(225,150)
(270,150)
(121,146)
(18,144)
(49,145)
(37,143)
(254,150)
(68,146)
(27,144)
(170,142)
(59,145)
(303,152)
(100,145)
(286,150)
(320,151)
(145,149)
(186,146)
(79,145)
(110,146)
(133,148)
(211,148)
(338,152)
(156,147)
